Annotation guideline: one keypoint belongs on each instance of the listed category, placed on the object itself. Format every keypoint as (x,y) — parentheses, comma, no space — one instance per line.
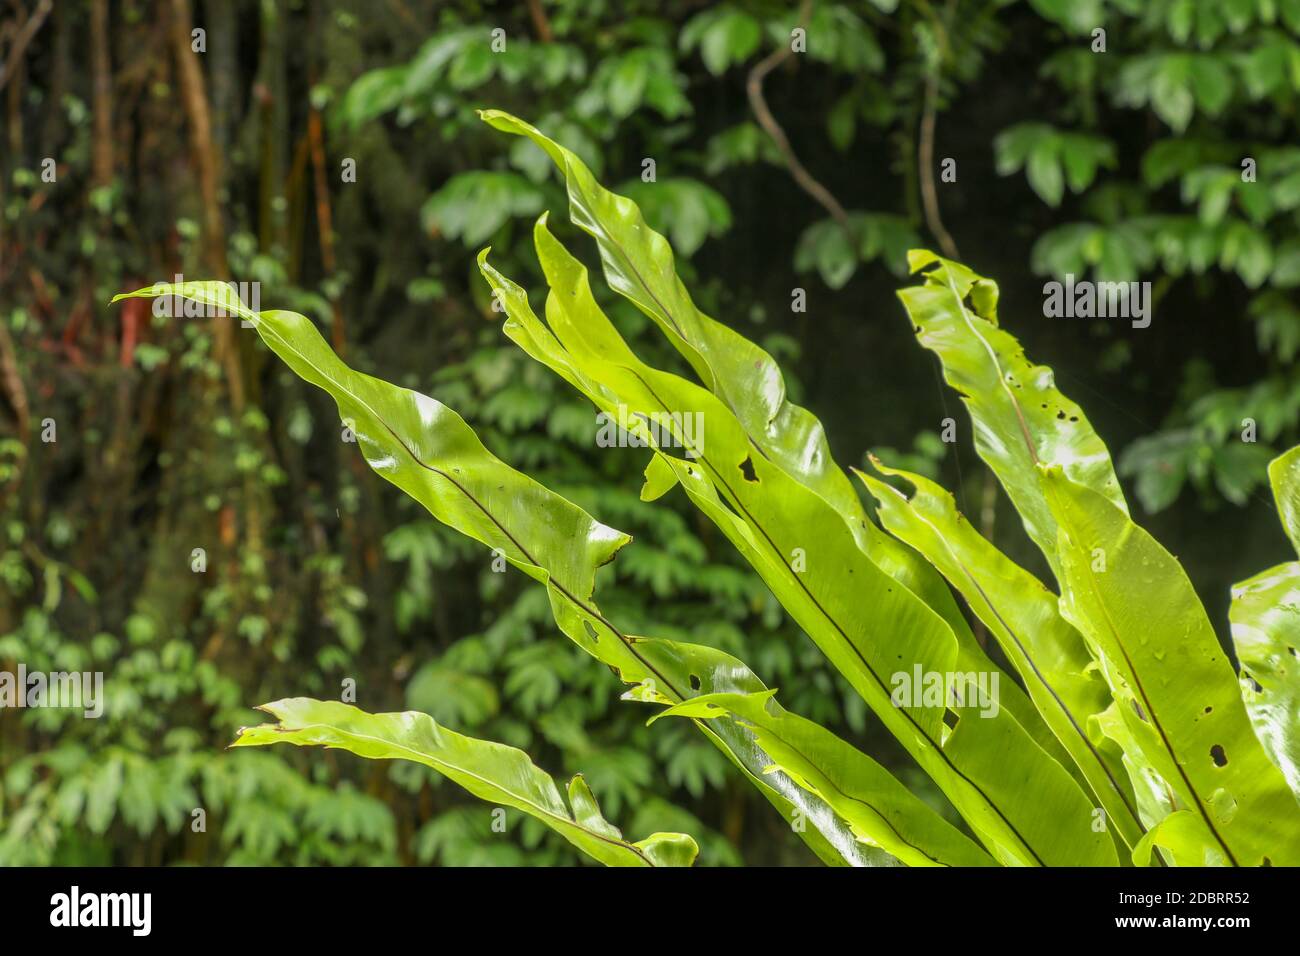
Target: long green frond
(490,771)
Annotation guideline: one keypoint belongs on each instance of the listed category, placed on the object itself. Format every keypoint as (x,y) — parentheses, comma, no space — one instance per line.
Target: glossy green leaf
(1035,439)
(1020,418)
(638,263)
(854,611)
(880,809)
(1265,616)
(1284,475)
(1024,617)
(1136,608)
(1182,834)
(428,451)
(490,771)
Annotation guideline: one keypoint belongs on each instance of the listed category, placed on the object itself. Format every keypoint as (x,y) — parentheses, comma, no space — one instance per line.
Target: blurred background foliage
(233,162)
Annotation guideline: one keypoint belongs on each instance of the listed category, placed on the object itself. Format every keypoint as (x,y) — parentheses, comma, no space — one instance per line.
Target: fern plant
(1126,739)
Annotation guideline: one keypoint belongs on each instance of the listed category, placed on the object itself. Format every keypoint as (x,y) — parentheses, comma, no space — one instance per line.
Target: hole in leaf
(695,682)
(951,718)
(1218,756)
(747,469)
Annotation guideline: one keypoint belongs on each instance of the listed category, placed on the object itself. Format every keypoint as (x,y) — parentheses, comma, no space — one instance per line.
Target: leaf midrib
(847,640)
(1032,664)
(1155,718)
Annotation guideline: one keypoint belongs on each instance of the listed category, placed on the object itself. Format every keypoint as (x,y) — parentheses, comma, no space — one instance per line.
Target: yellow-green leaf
(1132,601)
(1024,617)
(880,809)
(501,775)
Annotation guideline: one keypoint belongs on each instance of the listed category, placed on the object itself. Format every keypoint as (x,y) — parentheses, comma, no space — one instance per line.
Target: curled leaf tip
(918,259)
